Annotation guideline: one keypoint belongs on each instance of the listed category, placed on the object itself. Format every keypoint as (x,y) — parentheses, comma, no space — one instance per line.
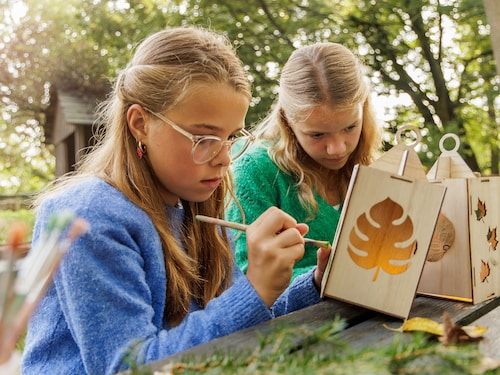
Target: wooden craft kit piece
(463,261)
(385,230)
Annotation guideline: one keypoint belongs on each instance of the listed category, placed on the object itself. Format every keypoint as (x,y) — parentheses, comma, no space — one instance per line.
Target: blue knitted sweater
(260,184)
(105,308)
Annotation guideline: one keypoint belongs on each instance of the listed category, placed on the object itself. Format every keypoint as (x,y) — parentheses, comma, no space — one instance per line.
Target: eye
(316,135)
(353,126)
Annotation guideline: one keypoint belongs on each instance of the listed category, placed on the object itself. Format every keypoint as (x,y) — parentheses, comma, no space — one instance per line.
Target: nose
(223,157)
(335,146)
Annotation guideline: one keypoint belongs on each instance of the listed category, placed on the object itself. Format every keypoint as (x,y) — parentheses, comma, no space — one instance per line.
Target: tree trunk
(492,8)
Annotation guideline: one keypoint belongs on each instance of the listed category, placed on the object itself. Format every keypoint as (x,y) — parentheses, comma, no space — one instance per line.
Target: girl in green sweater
(320,126)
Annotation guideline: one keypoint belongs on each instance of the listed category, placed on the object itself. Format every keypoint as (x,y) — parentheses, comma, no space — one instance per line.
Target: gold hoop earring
(141,149)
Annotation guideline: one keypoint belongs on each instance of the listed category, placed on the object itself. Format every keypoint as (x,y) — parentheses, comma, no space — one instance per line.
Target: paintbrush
(34,277)
(8,257)
(243,228)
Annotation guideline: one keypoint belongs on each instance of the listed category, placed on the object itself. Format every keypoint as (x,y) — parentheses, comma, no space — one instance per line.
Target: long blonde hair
(160,75)
(314,75)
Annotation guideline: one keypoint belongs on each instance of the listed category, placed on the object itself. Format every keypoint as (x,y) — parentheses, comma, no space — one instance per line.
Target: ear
(136,120)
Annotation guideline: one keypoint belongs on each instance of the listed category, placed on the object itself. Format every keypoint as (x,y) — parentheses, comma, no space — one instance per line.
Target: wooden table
(364,327)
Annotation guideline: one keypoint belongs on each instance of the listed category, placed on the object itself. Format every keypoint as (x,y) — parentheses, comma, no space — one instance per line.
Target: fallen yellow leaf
(475,331)
(420,324)
(434,328)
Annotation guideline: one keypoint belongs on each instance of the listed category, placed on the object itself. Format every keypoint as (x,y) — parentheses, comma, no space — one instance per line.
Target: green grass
(323,352)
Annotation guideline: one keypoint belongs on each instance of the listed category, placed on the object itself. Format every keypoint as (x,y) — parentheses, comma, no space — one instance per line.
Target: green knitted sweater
(259,184)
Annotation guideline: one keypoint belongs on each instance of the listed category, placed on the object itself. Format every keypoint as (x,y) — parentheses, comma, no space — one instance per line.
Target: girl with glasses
(148,280)
(321,125)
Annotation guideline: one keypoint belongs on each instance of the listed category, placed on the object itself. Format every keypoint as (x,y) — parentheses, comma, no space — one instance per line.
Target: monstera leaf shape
(383,235)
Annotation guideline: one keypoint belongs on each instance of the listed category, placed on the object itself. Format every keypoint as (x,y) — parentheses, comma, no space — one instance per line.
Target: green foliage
(438,53)
(435,54)
(26,162)
(323,352)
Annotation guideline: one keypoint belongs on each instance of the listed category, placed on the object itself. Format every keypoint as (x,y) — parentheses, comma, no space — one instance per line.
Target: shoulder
(88,192)
(94,200)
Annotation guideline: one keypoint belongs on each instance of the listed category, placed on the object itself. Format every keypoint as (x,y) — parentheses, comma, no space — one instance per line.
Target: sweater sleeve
(301,293)
(255,191)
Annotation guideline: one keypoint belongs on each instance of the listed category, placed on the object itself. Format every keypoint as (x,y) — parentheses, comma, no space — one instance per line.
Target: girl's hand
(275,243)
(323,255)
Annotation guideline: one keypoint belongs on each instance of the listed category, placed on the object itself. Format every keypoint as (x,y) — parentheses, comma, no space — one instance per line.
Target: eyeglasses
(207,147)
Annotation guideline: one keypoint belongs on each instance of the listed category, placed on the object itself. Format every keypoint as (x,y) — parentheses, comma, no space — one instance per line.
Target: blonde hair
(164,70)
(314,75)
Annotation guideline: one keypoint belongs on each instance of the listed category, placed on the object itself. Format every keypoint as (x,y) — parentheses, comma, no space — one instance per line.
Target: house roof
(78,110)
(68,109)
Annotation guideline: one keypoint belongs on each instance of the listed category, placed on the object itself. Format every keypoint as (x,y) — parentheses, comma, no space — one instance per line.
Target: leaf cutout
(481,209)
(492,238)
(485,271)
(454,334)
(379,250)
(442,239)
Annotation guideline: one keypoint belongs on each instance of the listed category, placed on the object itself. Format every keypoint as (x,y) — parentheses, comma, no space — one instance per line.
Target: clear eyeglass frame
(207,147)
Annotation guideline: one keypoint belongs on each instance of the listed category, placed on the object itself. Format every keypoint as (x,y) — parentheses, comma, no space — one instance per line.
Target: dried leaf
(420,324)
(447,331)
(454,334)
(380,249)
(475,331)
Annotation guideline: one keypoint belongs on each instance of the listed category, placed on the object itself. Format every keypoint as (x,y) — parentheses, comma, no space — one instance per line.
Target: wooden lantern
(463,260)
(384,233)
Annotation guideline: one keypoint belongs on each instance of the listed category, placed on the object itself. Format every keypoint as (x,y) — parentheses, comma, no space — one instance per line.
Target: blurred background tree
(430,62)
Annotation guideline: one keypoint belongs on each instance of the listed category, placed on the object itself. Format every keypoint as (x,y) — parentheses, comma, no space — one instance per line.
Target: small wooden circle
(445,137)
(408,128)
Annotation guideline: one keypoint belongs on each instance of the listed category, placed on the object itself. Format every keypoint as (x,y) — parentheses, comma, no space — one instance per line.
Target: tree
(76,48)
(24,143)
(492,8)
(436,51)
(26,163)
(493,15)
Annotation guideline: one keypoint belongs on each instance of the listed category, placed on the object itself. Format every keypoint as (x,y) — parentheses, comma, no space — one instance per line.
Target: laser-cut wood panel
(382,241)
(470,268)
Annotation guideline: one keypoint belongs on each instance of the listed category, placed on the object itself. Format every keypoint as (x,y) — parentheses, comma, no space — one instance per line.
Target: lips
(213,182)
(335,160)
